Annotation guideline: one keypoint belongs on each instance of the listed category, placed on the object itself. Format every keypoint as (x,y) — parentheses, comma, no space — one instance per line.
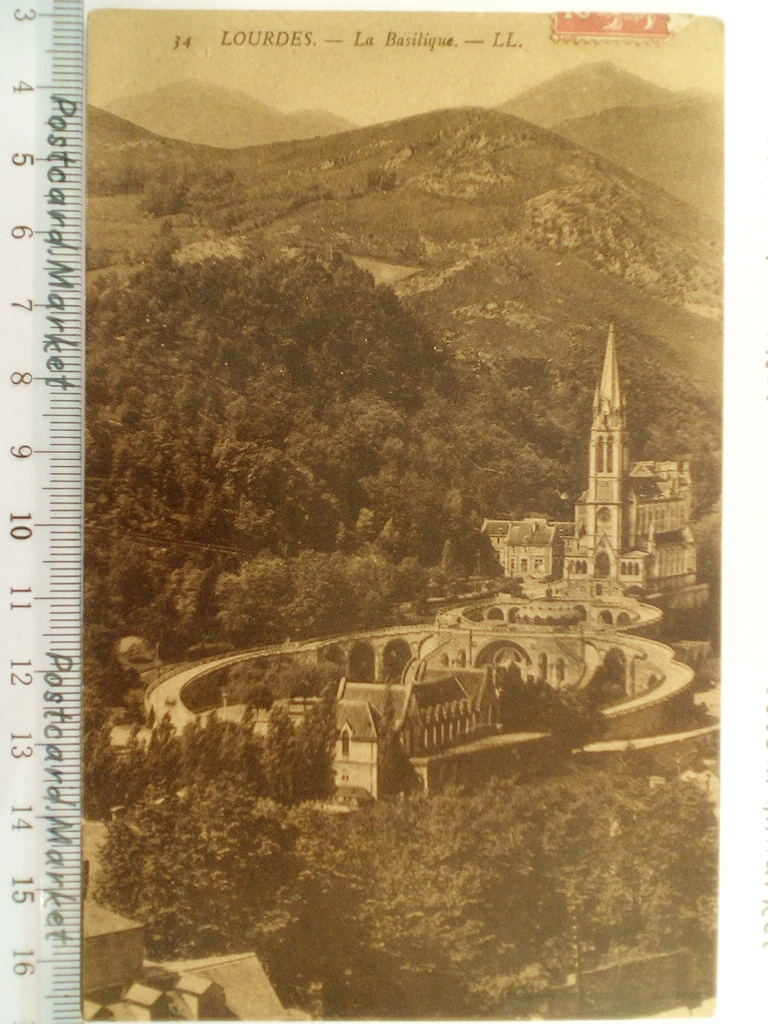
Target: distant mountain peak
(583,90)
(214,115)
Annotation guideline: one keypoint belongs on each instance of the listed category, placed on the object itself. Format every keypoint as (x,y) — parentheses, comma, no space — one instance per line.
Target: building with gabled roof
(356,762)
(528,548)
(436,709)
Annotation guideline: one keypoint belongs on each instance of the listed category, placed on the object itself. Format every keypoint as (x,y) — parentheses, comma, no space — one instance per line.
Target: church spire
(608,392)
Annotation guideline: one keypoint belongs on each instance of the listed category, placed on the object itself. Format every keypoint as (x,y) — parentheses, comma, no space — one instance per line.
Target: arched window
(601,456)
(602,565)
(560,670)
(345,744)
(609,457)
(543,667)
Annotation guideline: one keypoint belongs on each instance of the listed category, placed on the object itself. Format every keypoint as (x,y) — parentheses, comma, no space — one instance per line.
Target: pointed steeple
(608,396)
(609,382)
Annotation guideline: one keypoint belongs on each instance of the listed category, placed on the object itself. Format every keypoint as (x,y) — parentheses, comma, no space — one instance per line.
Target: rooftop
(98,920)
(248,991)
(358,716)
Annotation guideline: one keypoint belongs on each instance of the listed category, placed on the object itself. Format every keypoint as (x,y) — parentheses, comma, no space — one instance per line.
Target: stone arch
(473,614)
(581,611)
(333,653)
(362,662)
(397,654)
(543,666)
(495,615)
(503,652)
(512,615)
(606,617)
(623,619)
(602,565)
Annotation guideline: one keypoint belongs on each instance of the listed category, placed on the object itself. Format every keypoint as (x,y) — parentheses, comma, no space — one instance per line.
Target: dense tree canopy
(448,906)
(276,448)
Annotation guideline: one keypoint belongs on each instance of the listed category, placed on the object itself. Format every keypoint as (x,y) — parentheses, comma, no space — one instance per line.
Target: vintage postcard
(403,515)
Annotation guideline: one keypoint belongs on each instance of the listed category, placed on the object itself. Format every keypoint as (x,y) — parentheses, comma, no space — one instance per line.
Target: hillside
(277,413)
(212,115)
(584,90)
(106,131)
(682,149)
(511,237)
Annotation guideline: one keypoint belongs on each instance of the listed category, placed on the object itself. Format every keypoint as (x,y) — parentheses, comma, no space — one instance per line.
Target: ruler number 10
(21,531)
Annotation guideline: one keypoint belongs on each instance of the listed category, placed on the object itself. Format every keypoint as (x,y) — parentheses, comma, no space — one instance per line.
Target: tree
(280,755)
(395,773)
(203,869)
(314,750)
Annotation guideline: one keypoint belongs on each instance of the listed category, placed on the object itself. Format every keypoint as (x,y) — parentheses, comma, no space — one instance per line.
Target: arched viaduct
(564,651)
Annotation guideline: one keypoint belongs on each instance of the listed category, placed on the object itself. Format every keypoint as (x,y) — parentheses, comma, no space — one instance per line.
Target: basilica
(631,524)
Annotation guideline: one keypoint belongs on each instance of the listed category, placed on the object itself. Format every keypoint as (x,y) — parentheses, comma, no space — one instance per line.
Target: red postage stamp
(601,25)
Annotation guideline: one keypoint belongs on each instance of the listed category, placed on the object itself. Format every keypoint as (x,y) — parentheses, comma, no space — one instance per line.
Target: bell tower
(608,464)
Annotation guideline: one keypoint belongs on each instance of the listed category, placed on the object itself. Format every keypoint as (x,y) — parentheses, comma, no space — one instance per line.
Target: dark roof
(357,714)
(429,692)
(471,680)
(497,527)
(531,532)
(376,695)
(670,537)
(645,487)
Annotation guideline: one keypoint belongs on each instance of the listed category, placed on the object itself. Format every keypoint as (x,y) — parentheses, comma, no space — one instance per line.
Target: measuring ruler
(41,453)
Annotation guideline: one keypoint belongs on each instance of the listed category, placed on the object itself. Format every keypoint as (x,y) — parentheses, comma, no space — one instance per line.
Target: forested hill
(281,446)
(501,235)
(277,447)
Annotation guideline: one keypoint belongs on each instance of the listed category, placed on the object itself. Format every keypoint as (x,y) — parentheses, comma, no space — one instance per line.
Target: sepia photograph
(402,515)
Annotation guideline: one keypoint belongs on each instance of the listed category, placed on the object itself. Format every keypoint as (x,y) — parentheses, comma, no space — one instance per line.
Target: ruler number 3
(29,15)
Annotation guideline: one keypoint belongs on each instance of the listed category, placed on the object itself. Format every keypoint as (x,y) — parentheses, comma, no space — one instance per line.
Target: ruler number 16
(23,966)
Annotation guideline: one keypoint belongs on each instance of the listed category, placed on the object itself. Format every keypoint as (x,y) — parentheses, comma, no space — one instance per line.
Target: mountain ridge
(683,151)
(503,235)
(583,90)
(189,110)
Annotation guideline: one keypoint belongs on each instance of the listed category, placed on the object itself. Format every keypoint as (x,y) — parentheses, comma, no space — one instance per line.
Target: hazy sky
(133,51)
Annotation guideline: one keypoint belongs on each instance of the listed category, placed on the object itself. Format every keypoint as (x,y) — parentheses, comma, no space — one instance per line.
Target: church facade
(632,523)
